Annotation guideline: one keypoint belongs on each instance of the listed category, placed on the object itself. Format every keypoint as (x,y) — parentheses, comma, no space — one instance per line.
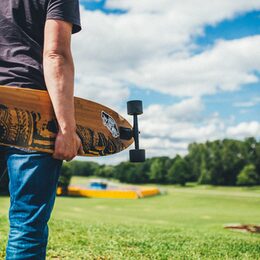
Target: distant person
(35,52)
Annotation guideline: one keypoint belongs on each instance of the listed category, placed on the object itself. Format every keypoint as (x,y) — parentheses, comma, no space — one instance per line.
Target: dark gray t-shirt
(22,34)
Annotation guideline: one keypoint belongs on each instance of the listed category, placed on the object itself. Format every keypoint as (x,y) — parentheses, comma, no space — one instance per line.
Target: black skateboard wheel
(137,155)
(135,107)
(125,133)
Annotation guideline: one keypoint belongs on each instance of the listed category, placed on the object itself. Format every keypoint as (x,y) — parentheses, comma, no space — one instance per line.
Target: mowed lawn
(185,223)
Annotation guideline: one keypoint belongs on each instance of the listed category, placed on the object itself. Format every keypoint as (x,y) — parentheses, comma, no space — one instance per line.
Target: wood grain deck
(27,120)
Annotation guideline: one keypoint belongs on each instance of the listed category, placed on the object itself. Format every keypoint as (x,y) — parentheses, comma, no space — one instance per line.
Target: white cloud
(167,130)
(152,47)
(187,109)
(225,67)
(244,129)
(102,90)
(163,147)
(179,122)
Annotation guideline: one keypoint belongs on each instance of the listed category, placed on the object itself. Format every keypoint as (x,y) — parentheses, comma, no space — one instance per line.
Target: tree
(133,172)
(250,151)
(194,160)
(105,171)
(65,176)
(232,161)
(142,170)
(178,172)
(205,176)
(159,168)
(126,172)
(79,168)
(255,158)
(248,176)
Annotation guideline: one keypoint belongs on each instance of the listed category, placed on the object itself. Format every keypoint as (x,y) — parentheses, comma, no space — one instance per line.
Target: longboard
(27,120)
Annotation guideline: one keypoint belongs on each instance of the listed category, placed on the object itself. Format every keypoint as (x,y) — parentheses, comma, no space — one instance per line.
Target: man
(35,53)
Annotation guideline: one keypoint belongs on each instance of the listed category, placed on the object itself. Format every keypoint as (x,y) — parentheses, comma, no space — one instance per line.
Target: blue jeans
(33,181)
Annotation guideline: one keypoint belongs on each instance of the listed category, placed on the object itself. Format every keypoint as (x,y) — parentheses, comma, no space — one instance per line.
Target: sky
(194,63)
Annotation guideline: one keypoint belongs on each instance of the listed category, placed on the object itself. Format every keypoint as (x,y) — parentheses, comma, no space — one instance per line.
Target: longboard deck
(27,120)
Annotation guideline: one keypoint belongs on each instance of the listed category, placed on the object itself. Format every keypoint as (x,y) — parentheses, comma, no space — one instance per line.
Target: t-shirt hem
(76,27)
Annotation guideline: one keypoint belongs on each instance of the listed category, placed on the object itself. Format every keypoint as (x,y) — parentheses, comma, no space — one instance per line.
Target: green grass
(186,223)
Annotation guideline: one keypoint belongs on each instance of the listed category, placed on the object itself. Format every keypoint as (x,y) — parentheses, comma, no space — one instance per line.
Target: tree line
(222,162)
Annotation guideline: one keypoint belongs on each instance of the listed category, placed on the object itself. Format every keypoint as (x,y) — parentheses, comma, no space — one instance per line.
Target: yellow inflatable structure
(114,192)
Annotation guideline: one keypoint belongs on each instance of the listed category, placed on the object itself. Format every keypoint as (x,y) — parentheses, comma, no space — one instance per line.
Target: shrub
(248,176)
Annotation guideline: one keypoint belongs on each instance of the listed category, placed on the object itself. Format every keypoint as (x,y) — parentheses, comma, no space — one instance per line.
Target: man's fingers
(81,151)
(58,156)
(68,156)
(62,157)
(67,147)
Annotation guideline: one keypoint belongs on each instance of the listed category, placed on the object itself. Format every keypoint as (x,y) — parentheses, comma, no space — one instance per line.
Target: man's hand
(67,146)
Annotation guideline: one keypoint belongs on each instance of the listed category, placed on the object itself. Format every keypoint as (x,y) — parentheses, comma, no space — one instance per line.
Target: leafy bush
(248,176)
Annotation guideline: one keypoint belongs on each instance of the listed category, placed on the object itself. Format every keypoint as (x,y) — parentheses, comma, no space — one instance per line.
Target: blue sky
(196,69)
(245,24)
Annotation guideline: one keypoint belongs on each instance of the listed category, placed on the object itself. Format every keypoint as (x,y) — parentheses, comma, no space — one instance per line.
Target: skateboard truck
(134,108)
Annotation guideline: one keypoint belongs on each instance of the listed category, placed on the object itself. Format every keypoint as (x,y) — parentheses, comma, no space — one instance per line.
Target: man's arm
(59,77)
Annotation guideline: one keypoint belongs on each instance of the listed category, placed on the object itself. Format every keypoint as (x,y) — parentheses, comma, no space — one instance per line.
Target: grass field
(185,223)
